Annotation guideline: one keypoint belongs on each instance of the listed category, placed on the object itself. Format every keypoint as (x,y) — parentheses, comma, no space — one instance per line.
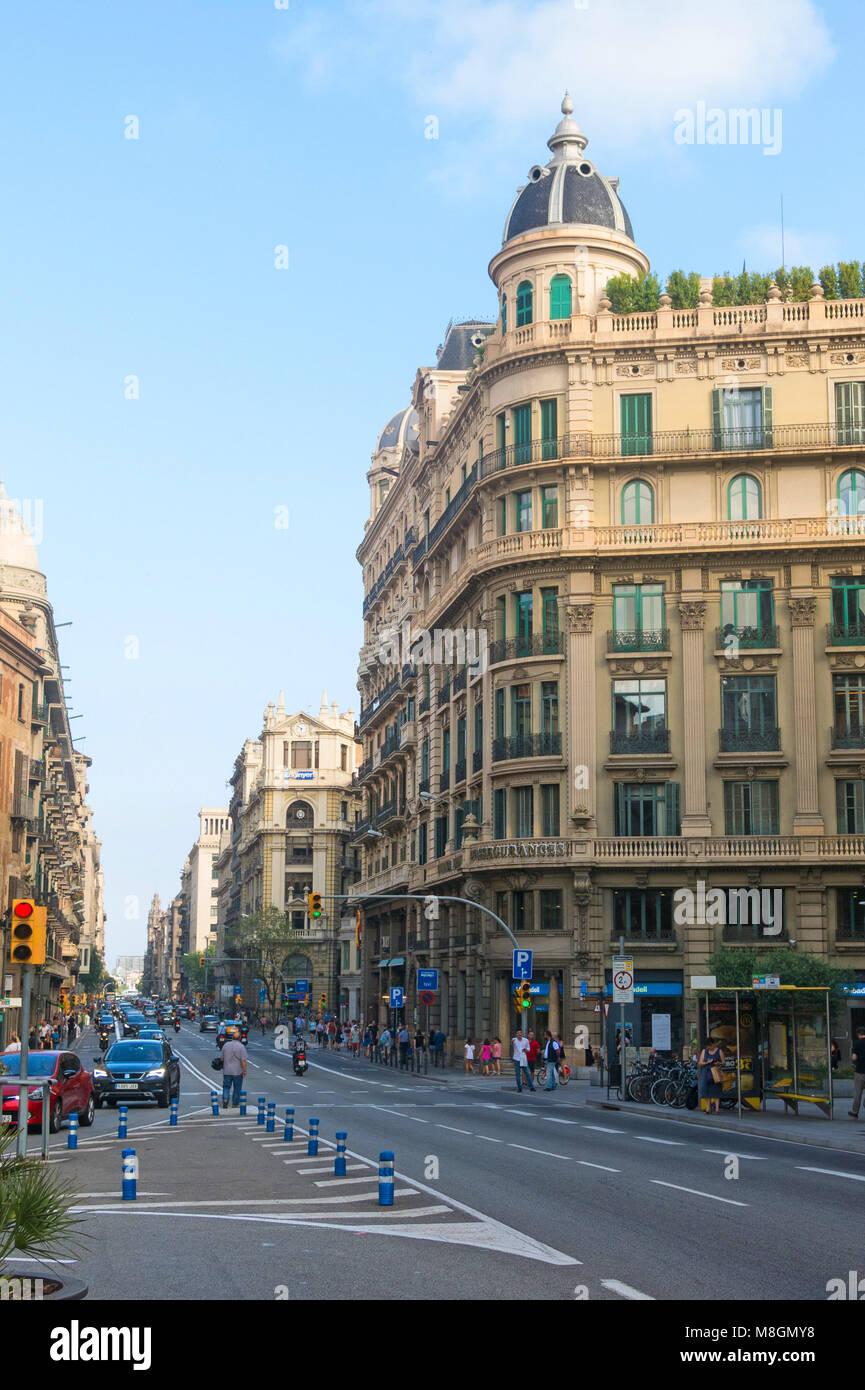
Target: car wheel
(85,1116)
(56,1117)
(163,1098)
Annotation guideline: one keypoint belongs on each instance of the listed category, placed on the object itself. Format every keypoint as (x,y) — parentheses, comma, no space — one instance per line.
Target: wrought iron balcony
(379,700)
(744,740)
(444,781)
(517,648)
(535,451)
(527,746)
(643,740)
(639,641)
(459,681)
(460,771)
(423,707)
(477,759)
(751,931)
(845,634)
(365,769)
(846,737)
(443,695)
(747,638)
(390,744)
(39,714)
(386,812)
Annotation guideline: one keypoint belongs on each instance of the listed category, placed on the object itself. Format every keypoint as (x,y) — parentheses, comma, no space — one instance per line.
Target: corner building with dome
(653,526)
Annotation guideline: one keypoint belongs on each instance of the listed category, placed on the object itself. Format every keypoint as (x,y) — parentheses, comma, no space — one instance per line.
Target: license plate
(126,1086)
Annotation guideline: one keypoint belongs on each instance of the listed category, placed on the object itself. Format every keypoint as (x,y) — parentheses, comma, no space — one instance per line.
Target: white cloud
(628,64)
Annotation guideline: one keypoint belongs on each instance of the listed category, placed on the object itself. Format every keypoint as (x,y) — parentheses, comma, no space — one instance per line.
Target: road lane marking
(454,1128)
(584,1163)
(336,1182)
(551,1120)
(615,1286)
(546,1153)
(647,1139)
(604,1129)
(730,1153)
(513,1112)
(489,1139)
(349,1168)
(832,1172)
(697,1193)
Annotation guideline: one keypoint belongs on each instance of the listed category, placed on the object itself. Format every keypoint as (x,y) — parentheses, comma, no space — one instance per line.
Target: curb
(736,1127)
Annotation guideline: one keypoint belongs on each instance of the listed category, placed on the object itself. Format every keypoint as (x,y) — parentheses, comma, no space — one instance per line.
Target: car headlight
(157,1071)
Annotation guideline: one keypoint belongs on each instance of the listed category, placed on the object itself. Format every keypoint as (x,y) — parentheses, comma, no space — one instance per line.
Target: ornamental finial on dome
(568,142)
(567,105)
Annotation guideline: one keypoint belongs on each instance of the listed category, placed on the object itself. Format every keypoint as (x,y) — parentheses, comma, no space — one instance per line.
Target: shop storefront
(656,1017)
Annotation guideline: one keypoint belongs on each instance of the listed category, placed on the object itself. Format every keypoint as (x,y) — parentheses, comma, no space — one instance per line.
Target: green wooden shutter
(671,808)
(549,429)
(620,793)
(717,419)
(766,417)
(636,424)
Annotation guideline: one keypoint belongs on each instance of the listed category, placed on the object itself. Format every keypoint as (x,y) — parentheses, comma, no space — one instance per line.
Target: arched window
(504,313)
(560,297)
(744,499)
(524,303)
(299,816)
(638,503)
(851,493)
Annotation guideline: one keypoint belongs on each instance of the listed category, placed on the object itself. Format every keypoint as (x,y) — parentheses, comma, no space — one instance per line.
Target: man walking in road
(234,1058)
(551,1059)
(857,1054)
(520,1050)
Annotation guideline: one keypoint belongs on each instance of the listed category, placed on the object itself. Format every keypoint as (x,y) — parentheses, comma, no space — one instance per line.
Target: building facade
(292,812)
(201,877)
(614,625)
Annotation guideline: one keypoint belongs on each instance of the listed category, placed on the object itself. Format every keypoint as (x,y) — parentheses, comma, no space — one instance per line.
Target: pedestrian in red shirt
(533,1054)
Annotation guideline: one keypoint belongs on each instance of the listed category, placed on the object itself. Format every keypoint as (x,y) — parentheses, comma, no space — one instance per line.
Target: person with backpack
(551,1060)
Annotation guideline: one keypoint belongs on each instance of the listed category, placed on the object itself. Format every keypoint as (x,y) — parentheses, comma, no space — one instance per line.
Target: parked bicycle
(541,1074)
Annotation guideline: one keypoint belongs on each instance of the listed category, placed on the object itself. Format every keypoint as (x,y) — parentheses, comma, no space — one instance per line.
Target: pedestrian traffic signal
(314,904)
(27,943)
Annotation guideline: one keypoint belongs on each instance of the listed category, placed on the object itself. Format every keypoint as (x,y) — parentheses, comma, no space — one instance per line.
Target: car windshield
(134,1052)
(38,1063)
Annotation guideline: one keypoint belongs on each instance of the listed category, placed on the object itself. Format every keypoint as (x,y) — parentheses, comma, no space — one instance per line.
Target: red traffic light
(23,908)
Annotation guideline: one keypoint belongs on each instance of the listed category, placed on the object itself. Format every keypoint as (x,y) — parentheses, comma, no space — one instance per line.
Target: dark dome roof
(402,428)
(568,190)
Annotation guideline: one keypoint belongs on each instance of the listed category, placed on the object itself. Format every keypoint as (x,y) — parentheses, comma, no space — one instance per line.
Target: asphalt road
(517,1196)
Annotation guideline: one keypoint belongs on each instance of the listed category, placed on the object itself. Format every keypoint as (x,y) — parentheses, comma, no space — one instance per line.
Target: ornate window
(560,297)
(525,299)
(638,503)
(851,492)
(299,816)
(744,499)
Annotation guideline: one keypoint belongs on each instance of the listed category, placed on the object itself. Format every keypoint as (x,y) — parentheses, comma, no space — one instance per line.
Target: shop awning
(382,964)
(397,960)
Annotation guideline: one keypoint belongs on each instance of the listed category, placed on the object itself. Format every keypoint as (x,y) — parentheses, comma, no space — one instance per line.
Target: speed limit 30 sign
(623,981)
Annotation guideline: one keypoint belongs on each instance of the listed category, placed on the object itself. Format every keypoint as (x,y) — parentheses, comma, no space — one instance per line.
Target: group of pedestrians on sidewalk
(526,1052)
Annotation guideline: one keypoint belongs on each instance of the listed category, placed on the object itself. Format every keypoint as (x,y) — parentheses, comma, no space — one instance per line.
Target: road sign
(623,980)
(428,980)
(262,995)
(584,988)
(9,1003)
(522,965)
(397,997)
(301,986)
(765,981)
(427,996)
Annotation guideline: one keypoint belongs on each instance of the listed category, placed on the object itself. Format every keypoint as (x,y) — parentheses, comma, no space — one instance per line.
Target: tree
(801,280)
(35,1215)
(736,968)
(829,281)
(264,938)
(723,289)
(850,279)
(632,294)
(195,973)
(684,290)
(96,976)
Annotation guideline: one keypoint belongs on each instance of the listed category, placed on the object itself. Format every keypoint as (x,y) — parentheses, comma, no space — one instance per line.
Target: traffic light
(313,901)
(522,996)
(27,945)
(201,962)
(322,1002)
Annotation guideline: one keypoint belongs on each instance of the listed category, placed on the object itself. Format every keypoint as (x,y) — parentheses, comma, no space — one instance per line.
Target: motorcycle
(298,1059)
(177,1025)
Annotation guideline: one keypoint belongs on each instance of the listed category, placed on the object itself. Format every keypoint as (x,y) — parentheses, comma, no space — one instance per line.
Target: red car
(71,1088)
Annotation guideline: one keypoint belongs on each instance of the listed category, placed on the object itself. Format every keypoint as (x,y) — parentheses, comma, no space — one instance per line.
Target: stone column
(582,734)
(695,817)
(503,1025)
(554,1015)
(807,819)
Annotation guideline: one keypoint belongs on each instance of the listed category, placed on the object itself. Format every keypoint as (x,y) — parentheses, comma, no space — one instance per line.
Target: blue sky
(262,388)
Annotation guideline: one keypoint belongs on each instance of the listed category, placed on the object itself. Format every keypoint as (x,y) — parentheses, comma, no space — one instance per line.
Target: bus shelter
(777,1043)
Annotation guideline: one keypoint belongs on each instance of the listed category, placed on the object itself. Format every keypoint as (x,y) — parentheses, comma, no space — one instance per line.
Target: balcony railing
(645,740)
(460,771)
(477,759)
(423,785)
(390,744)
(527,746)
(423,707)
(365,769)
(634,938)
(517,648)
(443,695)
(848,738)
(39,714)
(752,931)
(642,641)
(747,638)
(386,812)
(764,740)
(535,451)
(379,700)
(459,681)
(23,807)
(845,634)
(444,781)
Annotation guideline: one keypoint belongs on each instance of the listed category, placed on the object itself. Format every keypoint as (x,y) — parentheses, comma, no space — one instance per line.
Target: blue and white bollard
(339,1160)
(129,1186)
(271,1116)
(288,1132)
(214,1102)
(243,1102)
(122,1112)
(385,1178)
(72,1140)
(262,1102)
(174,1105)
(312,1146)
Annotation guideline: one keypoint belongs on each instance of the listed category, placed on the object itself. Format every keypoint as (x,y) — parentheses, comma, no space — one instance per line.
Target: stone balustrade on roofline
(682,325)
(626,850)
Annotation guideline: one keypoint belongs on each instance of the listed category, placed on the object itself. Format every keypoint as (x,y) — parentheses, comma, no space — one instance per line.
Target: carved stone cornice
(693,616)
(580,616)
(803,611)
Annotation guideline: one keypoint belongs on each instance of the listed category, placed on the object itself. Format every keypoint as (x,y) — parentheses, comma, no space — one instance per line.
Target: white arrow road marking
(625,1290)
(697,1193)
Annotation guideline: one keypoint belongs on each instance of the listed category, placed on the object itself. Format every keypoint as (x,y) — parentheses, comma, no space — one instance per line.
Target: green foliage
(723,289)
(736,968)
(264,938)
(829,281)
(850,279)
(195,973)
(96,976)
(684,290)
(801,280)
(34,1205)
(632,294)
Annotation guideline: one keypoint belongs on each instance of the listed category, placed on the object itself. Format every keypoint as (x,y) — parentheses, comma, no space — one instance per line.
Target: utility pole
(23,1107)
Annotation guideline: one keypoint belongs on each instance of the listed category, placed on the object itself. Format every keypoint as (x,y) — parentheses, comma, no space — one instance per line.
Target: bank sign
(523,849)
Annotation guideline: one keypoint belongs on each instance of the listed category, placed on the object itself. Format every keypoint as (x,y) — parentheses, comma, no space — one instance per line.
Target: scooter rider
(298,1055)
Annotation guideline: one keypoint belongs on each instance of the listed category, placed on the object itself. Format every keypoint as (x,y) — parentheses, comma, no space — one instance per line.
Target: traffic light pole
(422,897)
(23,1107)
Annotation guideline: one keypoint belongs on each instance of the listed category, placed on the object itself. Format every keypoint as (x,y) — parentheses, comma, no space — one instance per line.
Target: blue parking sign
(522,965)
(301,986)
(397,995)
(427,979)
